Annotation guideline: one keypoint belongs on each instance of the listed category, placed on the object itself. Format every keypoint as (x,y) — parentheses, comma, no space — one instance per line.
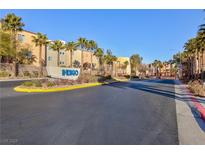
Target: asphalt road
(136,112)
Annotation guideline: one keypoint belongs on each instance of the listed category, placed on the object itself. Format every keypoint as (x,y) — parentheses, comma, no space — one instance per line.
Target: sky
(153,34)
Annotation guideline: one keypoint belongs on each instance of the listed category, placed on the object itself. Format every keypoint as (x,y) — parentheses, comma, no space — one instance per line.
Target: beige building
(49,56)
(76,58)
(25,41)
(121,67)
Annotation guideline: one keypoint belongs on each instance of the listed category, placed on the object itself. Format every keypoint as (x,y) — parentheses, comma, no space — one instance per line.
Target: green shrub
(4,74)
(35,73)
(86,78)
(127,76)
(28,84)
(50,84)
(26,73)
(108,77)
(37,83)
(196,86)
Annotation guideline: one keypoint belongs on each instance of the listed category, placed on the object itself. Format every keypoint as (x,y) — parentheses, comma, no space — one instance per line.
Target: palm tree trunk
(197,59)
(71,59)
(135,70)
(15,53)
(189,68)
(82,61)
(202,62)
(100,66)
(40,61)
(111,69)
(0,59)
(192,68)
(58,58)
(91,59)
(157,71)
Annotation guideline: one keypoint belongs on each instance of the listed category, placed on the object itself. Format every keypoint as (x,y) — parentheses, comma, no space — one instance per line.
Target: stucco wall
(28,43)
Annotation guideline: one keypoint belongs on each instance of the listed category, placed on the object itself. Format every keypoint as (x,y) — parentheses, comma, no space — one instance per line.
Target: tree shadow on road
(161,89)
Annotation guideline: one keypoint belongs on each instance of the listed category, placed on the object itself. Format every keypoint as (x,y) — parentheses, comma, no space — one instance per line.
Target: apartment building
(166,69)
(64,58)
(49,56)
(120,64)
(25,42)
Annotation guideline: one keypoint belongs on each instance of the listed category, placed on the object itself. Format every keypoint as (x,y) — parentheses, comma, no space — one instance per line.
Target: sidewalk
(198,102)
(201,100)
(191,126)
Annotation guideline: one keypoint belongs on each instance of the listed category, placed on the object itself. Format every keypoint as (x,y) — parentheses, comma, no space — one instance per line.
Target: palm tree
(125,64)
(40,40)
(13,24)
(71,46)
(110,59)
(57,46)
(82,45)
(202,28)
(135,61)
(200,41)
(93,47)
(184,58)
(99,54)
(158,65)
(190,49)
(88,48)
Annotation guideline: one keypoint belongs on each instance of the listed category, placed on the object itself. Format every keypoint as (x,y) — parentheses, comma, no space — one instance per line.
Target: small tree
(135,61)
(24,56)
(6,47)
(76,64)
(13,24)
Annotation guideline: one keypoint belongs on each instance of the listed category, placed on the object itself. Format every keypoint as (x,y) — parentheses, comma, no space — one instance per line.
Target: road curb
(73,87)
(121,80)
(196,103)
(26,79)
(198,106)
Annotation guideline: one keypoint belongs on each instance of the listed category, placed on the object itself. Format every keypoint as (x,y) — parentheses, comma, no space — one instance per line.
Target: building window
(49,58)
(29,54)
(21,37)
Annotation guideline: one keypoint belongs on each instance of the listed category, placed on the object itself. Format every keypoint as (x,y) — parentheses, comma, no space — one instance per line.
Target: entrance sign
(67,72)
(63,72)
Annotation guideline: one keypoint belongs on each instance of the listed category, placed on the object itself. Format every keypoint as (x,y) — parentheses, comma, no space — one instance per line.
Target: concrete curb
(26,79)
(121,80)
(73,87)
(198,106)
(196,103)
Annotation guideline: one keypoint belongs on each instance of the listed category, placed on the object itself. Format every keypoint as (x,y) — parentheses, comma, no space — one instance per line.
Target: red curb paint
(198,106)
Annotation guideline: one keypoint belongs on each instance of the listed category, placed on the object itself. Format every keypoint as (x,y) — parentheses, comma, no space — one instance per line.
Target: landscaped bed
(6,75)
(197,87)
(51,85)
